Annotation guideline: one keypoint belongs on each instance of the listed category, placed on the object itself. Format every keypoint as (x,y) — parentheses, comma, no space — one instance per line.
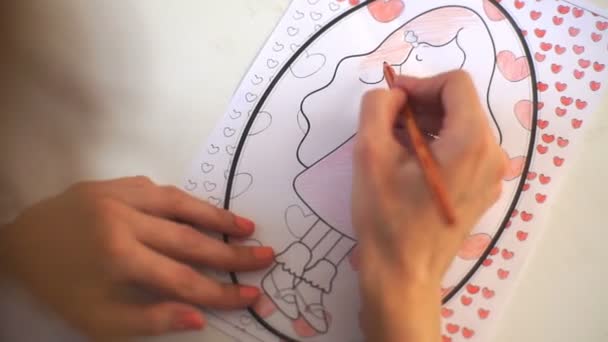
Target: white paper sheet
(282,151)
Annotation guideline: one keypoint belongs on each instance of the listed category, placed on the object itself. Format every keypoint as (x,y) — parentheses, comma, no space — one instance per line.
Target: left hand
(118,258)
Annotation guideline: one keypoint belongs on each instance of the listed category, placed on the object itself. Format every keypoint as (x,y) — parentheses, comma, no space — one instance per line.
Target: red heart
(559,49)
(597,66)
(595,86)
(487,262)
(558,161)
(502,274)
(472,289)
(576,123)
(541,105)
(579,74)
(525,187)
(580,104)
(539,57)
(556,68)
(542,124)
(445,339)
(487,293)
(519,4)
(526,217)
(561,142)
(468,333)
(540,33)
(542,149)
(584,63)
(513,214)
(522,236)
(540,198)
(560,86)
(563,9)
(566,100)
(558,20)
(535,15)
(546,46)
(524,32)
(466,301)
(531,175)
(544,180)
(574,31)
(578,49)
(578,12)
(483,314)
(446,313)
(602,25)
(353,2)
(560,111)
(596,37)
(506,254)
(387,10)
(542,86)
(452,328)
(548,138)
(513,68)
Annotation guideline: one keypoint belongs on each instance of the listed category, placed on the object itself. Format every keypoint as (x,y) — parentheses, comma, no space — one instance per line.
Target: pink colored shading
(523,111)
(515,168)
(474,246)
(513,68)
(492,11)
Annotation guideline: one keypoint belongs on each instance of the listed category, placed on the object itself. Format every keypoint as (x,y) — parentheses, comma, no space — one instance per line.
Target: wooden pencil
(423,153)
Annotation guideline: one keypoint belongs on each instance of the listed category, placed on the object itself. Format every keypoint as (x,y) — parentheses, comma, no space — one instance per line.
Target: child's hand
(91,251)
(405,245)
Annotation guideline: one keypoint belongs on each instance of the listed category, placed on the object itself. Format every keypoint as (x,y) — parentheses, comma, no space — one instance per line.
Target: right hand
(405,244)
(91,252)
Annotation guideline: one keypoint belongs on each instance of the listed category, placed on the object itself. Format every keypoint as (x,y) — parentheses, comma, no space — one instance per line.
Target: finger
(185,243)
(457,97)
(149,268)
(379,112)
(173,203)
(152,319)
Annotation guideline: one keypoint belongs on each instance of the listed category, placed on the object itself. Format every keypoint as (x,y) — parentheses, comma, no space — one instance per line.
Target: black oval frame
(285,68)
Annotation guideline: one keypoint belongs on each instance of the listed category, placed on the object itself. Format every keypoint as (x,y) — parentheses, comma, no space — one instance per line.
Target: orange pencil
(427,161)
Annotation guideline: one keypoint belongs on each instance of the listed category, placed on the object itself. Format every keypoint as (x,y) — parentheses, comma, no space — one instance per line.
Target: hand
(405,244)
(91,252)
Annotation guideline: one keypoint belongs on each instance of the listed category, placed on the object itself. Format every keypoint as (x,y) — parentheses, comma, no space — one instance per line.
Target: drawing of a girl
(439,40)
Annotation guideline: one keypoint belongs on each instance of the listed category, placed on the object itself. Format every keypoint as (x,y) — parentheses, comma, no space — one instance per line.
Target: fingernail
(249,292)
(188,321)
(263,253)
(245,225)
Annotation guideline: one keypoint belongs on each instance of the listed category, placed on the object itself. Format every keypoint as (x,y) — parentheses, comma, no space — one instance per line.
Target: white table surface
(157,75)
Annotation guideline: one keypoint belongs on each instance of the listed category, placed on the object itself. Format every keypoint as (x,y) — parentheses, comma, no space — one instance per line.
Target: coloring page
(282,155)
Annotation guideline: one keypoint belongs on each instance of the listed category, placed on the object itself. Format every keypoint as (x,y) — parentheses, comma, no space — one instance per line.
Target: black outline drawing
(191,186)
(316,16)
(278,47)
(235,114)
(334,6)
(302,50)
(291,225)
(207,167)
(293,31)
(272,63)
(241,187)
(298,15)
(256,128)
(306,57)
(213,149)
(229,131)
(251,97)
(209,186)
(257,80)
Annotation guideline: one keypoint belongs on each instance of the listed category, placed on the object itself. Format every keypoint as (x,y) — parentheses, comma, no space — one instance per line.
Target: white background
(156,75)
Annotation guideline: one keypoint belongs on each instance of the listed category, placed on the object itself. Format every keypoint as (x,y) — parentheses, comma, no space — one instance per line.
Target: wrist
(403,312)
